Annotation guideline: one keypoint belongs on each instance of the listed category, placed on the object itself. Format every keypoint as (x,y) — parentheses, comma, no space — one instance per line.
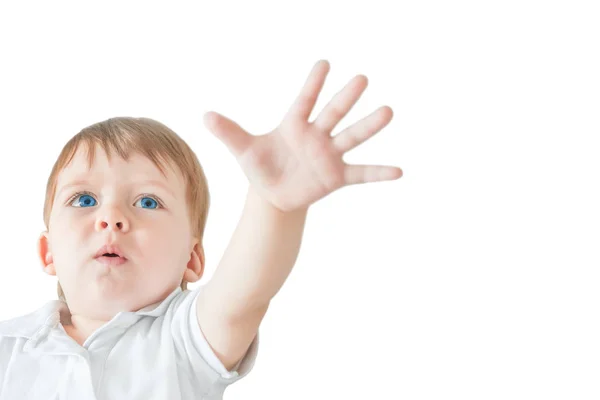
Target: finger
(230,133)
(363,130)
(355,174)
(305,102)
(341,103)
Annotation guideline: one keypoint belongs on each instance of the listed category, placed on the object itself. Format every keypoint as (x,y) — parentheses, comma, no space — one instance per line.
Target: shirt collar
(39,322)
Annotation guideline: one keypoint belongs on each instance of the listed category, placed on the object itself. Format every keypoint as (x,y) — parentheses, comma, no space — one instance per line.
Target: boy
(126,205)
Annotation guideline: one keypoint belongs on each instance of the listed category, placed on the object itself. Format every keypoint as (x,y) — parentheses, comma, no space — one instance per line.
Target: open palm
(299,162)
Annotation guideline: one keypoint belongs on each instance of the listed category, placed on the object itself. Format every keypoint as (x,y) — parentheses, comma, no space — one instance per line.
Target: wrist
(254,198)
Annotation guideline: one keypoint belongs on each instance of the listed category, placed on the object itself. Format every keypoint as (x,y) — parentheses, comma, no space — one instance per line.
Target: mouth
(111,259)
(110,255)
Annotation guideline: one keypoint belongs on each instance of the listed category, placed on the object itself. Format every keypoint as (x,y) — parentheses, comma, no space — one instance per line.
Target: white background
(474,276)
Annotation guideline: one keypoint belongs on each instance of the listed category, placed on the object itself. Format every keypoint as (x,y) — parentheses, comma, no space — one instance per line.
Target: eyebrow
(70,185)
(81,182)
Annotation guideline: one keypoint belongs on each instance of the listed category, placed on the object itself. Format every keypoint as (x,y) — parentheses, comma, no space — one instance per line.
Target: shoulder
(175,306)
(28,324)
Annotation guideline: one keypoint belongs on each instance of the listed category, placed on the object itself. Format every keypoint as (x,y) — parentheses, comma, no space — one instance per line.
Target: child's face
(122,205)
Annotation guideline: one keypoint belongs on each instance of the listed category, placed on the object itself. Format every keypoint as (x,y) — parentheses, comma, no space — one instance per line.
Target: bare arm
(256,263)
(289,169)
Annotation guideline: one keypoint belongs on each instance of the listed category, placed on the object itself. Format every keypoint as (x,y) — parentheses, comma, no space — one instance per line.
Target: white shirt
(158,352)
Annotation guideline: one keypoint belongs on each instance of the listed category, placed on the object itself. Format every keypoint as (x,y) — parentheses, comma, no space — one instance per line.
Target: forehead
(135,168)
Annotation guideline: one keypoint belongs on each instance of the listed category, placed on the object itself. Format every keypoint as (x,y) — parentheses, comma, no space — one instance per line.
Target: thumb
(230,133)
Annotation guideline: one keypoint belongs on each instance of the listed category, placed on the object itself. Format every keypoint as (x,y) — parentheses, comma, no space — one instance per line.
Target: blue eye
(85,200)
(148,202)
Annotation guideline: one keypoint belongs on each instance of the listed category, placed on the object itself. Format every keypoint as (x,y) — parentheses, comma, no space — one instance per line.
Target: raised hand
(299,162)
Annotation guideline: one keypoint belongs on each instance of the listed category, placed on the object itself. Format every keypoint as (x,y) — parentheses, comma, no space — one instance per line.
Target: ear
(195,266)
(45,254)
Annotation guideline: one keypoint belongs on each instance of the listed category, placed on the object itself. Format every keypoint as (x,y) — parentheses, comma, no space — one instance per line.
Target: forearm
(260,256)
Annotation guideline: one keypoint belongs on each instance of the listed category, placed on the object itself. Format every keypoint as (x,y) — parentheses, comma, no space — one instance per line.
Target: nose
(113,220)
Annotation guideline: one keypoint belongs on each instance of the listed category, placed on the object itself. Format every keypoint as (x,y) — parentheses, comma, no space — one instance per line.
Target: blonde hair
(150,138)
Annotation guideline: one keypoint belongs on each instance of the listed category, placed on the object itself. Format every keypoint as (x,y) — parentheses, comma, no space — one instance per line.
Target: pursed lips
(110,255)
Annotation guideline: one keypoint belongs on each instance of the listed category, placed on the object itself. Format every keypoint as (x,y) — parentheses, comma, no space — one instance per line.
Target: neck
(81,328)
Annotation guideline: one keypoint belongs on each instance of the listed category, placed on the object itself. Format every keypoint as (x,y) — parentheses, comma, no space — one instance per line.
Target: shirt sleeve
(202,359)
(241,368)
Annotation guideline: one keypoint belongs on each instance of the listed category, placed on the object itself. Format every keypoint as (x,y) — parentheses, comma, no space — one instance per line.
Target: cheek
(73,223)
(68,235)
(161,244)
